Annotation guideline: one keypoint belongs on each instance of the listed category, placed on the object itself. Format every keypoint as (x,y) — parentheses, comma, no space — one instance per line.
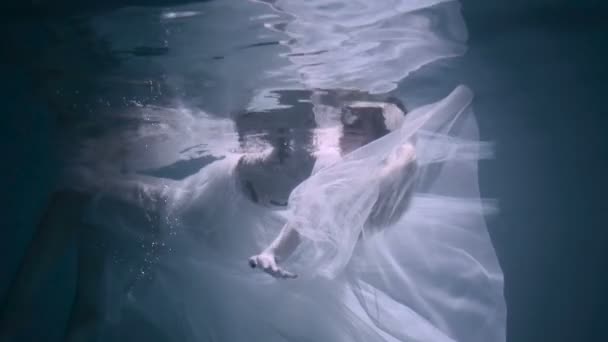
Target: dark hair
(362,125)
(397,102)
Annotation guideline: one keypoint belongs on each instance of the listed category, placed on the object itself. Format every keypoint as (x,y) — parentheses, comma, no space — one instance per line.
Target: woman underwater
(362,122)
(171,255)
(430,275)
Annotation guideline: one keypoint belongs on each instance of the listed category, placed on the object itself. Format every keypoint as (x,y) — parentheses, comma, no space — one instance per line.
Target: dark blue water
(538,70)
(546,64)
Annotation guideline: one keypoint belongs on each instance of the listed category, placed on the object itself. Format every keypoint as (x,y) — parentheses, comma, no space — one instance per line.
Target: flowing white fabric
(430,276)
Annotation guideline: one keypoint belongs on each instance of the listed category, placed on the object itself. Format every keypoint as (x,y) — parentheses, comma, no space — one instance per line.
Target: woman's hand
(267,263)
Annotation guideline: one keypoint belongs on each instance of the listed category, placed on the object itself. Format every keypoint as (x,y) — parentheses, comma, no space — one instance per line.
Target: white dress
(431,276)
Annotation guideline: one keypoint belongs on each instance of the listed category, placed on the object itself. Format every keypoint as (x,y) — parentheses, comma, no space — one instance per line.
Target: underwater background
(538,69)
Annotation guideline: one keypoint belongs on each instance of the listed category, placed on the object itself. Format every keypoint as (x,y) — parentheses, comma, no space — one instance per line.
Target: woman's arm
(281,248)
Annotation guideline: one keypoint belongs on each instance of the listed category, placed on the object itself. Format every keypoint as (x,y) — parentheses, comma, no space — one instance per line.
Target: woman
(433,275)
(171,252)
(396,172)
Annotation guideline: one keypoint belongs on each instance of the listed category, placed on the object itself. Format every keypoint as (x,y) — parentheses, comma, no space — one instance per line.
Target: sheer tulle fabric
(431,275)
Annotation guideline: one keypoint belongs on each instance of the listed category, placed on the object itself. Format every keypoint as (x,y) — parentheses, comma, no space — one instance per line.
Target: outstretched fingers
(286,274)
(267,263)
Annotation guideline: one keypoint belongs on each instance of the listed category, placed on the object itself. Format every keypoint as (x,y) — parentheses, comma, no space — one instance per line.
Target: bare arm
(285,243)
(279,249)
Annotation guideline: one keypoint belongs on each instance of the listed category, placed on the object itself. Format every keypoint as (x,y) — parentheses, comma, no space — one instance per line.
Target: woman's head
(364,122)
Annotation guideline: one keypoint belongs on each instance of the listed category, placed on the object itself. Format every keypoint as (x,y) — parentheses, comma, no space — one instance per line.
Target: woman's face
(360,126)
(269,179)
